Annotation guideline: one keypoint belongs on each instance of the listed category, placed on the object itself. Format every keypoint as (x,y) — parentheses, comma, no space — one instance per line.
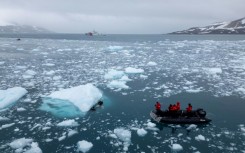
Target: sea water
(132,72)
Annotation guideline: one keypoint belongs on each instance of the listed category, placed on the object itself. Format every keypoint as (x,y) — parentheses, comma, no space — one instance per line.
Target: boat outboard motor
(201,113)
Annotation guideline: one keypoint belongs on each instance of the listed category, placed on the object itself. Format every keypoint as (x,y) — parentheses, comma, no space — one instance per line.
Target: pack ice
(10,96)
(73,101)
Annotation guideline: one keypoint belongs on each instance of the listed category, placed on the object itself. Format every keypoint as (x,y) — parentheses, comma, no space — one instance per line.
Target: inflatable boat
(180,117)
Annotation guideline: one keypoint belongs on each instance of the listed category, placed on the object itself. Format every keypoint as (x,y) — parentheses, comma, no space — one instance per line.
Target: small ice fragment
(70,123)
(21,109)
(20,143)
(191,127)
(151,63)
(84,146)
(141,132)
(176,147)
(133,70)
(200,138)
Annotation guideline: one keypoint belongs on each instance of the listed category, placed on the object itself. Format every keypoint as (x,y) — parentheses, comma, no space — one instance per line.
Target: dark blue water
(207,71)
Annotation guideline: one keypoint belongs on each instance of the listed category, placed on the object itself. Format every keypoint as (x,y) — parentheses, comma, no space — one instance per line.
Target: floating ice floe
(151,63)
(213,71)
(4,119)
(29,74)
(200,138)
(123,135)
(114,74)
(70,123)
(6,126)
(21,109)
(141,132)
(10,96)
(176,147)
(151,126)
(119,79)
(84,146)
(72,101)
(191,127)
(118,84)
(25,145)
(133,70)
(112,48)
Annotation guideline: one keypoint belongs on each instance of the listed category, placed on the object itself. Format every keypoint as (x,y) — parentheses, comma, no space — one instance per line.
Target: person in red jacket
(158,106)
(178,106)
(189,108)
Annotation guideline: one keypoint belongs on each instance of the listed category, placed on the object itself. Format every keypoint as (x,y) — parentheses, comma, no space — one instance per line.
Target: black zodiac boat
(180,117)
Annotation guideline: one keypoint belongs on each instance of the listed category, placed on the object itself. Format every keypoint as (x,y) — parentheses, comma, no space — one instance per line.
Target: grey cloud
(119,16)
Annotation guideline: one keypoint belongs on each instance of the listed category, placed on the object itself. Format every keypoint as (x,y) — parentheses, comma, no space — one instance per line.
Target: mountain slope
(22,29)
(233,27)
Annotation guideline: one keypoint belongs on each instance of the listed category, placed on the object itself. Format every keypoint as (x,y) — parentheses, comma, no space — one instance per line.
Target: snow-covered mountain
(22,29)
(233,27)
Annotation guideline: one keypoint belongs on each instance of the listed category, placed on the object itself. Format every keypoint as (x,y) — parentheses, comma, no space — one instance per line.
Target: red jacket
(189,109)
(158,106)
(178,107)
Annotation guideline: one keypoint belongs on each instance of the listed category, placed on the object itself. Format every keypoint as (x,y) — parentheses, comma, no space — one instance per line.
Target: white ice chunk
(7,125)
(84,146)
(21,109)
(114,74)
(69,123)
(62,138)
(176,147)
(71,133)
(141,132)
(133,70)
(118,84)
(30,72)
(151,63)
(213,71)
(123,134)
(4,118)
(83,96)
(10,96)
(34,148)
(20,143)
(200,138)
(112,48)
(191,127)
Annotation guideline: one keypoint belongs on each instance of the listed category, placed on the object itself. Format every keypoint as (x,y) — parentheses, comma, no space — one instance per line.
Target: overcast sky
(119,16)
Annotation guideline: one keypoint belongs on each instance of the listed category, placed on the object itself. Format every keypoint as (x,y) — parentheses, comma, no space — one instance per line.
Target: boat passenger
(170,107)
(178,106)
(189,108)
(174,108)
(158,106)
